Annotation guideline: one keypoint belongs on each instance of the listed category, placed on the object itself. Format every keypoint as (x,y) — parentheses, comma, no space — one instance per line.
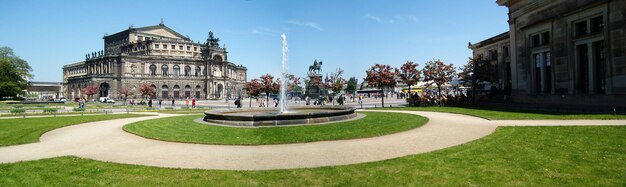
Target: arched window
(198,70)
(198,88)
(164,92)
(176,92)
(152,69)
(176,70)
(164,69)
(187,71)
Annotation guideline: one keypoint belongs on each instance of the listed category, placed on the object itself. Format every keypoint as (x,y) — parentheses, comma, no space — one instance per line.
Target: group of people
(434,98)
(187,102)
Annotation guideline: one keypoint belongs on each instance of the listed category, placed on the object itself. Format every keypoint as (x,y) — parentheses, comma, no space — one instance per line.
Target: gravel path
(106,141)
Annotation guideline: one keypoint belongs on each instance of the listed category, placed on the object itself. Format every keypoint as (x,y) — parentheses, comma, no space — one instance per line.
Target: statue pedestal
(314,91)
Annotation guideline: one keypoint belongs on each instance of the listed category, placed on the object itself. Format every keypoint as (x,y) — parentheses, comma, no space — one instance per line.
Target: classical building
(44,90)
(169,62)
(495,52)
(562,52)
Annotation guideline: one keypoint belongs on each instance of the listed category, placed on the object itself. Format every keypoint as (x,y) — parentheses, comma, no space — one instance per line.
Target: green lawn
(28,130)
(512,156)
(184,129)
(503,114)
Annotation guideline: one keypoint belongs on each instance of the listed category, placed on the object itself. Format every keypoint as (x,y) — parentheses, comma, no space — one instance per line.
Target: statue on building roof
(161,23)
(212,41)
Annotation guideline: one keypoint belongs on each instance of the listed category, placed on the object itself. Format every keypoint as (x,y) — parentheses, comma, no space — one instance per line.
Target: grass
(48,114)
(512,156)
(184,129)
(504,114)
(27,130)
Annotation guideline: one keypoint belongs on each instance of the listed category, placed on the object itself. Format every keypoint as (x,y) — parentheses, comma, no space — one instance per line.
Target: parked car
(106,100)
(63,99)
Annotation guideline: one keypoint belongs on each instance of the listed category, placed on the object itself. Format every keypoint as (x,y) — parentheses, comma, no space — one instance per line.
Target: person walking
(173,102)
(187,102)
(238,102)
(160,103)
(150,103)
(193,103)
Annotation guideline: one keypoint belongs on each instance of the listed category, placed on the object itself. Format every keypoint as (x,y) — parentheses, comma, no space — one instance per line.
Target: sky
(351,35)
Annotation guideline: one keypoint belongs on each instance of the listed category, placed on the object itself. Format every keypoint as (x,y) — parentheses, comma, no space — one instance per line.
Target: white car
(106,100)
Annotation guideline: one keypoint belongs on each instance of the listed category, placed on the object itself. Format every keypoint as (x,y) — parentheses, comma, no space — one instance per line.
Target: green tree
(14,73)
(352,84)
(21,66)
(380,76)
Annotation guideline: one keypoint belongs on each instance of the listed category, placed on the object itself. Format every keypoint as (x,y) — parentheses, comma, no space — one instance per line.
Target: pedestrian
(150,103)
(193,103)
(307,100)
(173,102)
(360,99)
(238,102)
(187,102)
(160,103)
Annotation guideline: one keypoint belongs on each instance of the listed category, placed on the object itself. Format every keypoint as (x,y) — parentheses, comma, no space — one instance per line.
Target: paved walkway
(106,141)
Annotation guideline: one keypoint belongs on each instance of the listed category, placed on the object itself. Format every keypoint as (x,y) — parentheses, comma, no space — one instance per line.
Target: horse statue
(316,67)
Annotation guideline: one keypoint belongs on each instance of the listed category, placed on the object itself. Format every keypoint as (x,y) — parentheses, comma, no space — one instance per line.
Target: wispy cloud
(375,18)
(263,31)
(395,19)
(413,18)
(312,25)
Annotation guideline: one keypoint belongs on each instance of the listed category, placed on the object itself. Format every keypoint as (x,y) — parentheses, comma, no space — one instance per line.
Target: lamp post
(473,77)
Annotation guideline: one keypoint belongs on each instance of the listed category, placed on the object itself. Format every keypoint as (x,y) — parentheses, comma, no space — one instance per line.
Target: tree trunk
(382,98)
(410,97)
(439,94)
(267,97)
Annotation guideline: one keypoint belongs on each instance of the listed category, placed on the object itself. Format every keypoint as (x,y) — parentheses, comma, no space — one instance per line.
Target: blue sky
(352,35)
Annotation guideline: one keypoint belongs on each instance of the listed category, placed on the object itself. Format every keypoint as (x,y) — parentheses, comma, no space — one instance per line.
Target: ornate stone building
(566,52)
(171,63)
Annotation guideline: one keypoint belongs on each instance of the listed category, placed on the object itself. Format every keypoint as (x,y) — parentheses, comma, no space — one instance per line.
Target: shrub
(50,110)
(17,110)
(17,106)
(78,109)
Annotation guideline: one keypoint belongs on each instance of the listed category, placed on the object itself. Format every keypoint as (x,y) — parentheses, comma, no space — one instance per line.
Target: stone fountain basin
(272,116)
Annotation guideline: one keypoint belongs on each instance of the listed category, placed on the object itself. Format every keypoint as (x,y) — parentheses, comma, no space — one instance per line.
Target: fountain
(283,80)
(280,116)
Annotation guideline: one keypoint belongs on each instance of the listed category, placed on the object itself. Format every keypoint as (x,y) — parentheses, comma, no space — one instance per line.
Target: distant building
(44,90)
(561,52)
(495,51)
(171,63)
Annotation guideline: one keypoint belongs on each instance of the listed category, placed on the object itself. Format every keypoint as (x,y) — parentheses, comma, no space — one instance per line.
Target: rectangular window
(534,41)
(597,24)
(164,46)
(494,55)
(506,51)
(156,46)
(548,72)
(599,67)
(140,38)
(545,38)
(195,48)
(188,48)
(180,47)
(581,28)
(537,58)
(173,46)
(583,69)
